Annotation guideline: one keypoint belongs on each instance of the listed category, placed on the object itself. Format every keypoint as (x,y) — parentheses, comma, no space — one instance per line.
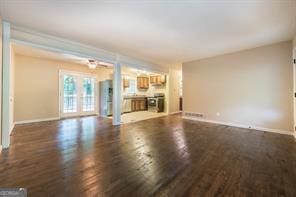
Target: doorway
(78,96)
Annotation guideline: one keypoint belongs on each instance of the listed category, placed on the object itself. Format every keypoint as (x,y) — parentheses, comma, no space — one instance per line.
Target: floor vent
(195,115)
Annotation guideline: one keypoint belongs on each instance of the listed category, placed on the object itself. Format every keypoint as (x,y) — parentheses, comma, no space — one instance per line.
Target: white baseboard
(36,120)
(242,126)
(177,112)
(11,128)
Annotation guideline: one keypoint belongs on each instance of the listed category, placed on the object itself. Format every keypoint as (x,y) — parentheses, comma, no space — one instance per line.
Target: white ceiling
(40,53)
(160,31)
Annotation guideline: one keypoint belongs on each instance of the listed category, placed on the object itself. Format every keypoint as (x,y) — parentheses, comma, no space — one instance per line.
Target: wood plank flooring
(166,156)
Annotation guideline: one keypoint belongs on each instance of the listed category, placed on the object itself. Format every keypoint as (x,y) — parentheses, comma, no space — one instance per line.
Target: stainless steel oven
(156,103)
(152,102)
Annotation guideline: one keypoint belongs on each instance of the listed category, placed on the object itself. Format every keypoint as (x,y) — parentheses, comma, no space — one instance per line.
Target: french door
(77,94)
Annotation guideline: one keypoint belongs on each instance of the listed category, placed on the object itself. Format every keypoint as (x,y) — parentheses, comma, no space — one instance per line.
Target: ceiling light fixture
(92,64)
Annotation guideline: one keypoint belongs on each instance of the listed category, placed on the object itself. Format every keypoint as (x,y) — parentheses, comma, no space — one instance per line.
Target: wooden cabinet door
(125,83)
(158,80)
(152,79)
(146,82)
(139,82)
(138,103)
(142,82)
(143,104)
(133,105)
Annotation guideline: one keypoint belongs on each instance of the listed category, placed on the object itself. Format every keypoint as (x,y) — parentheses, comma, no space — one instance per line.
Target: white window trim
(76,73)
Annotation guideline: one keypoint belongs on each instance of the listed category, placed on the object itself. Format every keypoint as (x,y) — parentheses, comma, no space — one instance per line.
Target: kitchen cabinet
(139,104)
(157,80)
(126,83)
(142,82)
(154,79)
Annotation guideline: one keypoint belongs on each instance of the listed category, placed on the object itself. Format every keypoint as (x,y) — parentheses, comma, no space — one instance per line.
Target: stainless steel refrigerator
(106,95)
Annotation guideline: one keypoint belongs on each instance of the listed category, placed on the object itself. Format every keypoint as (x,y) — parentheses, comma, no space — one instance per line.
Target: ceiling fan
(91,63)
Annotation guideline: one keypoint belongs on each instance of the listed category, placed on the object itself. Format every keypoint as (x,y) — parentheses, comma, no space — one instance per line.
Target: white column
(5,85)
(116,109)
(294,86)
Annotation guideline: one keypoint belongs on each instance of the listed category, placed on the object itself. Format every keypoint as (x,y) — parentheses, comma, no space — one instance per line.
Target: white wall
(11,87)
(37,86)
(6,69)
(0,81)
(175,76)
(252,87)
(294,79)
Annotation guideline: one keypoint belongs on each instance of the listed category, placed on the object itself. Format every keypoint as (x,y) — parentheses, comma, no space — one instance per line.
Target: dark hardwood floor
(165,156)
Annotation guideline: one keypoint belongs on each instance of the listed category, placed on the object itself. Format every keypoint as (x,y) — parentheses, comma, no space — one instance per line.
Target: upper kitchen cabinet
(142,82)
(126,83)
(157,80)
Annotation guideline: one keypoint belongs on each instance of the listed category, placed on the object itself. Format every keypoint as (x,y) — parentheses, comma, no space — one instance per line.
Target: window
(132,86)
(70,94)
(88,94)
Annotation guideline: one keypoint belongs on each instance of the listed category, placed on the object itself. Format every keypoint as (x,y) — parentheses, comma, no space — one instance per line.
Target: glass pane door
(77,94)
(88,95)
(69,94)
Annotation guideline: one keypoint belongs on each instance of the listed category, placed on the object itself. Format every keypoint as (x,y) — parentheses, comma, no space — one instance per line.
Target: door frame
(79,111)
(294,90)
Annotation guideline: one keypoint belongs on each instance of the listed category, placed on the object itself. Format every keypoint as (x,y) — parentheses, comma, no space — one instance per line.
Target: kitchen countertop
(135,97)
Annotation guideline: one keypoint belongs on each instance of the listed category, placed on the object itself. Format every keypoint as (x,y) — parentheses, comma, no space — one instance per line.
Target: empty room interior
(148,98)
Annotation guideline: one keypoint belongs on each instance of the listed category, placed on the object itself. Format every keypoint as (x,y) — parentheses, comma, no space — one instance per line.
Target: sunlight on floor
(140,115)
